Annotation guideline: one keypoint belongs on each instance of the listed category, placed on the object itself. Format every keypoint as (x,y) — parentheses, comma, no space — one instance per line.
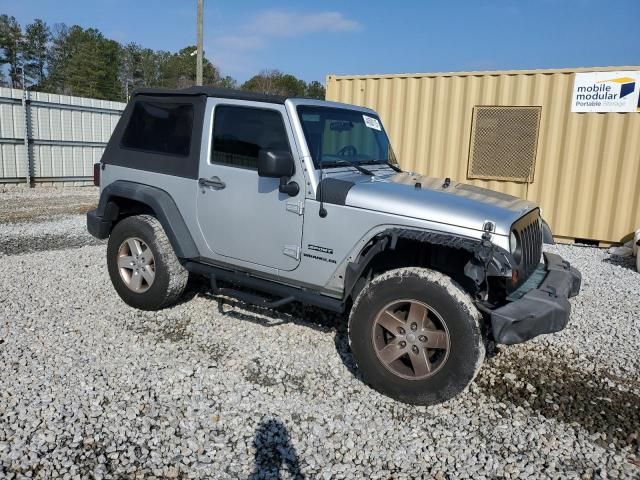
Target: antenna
(322,211)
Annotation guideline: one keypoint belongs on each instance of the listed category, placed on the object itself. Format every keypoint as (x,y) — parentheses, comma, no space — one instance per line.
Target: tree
(315,90)
(59,53)
(11,44)
(36,42)
(179,70)
(131,68)
(291,86)
(85,63)
(275,82)
(151,65)
(227,82)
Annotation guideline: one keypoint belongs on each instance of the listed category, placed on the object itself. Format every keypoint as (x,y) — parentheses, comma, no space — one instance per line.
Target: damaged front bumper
(542,309)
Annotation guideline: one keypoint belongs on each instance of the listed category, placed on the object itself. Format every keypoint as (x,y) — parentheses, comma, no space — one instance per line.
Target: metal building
(515,132)
(52,139)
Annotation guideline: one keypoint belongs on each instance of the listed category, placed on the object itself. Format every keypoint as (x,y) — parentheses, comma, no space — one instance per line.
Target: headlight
(514,245)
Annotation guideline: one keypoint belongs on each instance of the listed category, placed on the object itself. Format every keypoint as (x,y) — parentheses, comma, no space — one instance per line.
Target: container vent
(503,143)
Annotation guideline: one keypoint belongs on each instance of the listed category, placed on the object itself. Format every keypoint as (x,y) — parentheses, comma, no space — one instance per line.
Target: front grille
(529,229)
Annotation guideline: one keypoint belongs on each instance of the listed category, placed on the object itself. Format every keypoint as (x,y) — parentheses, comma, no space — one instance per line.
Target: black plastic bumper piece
(97,225)
(544,309)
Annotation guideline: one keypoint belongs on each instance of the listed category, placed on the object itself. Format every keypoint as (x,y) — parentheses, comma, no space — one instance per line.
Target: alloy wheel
(136,265)
(411,339)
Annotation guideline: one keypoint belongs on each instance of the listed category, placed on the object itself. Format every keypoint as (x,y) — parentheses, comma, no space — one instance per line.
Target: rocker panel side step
(276,289)
(250,297)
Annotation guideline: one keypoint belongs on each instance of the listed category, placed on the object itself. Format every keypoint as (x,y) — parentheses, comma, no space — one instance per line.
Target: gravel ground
(212,388)
(18,204)
(59,232)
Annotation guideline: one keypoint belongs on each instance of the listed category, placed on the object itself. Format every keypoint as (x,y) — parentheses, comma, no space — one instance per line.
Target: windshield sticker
(372,123)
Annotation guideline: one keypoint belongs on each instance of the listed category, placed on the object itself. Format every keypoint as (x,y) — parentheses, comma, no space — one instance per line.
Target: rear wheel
(142,265)
(416,336)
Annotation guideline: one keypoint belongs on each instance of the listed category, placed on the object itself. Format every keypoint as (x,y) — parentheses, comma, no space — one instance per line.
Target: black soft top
(212,92)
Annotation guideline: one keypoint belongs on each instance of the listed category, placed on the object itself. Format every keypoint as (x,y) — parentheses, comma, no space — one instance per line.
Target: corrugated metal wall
(587,171)
(66,136)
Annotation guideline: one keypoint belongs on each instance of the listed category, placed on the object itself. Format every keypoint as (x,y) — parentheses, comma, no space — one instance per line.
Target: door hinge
(292,251)
(295,207)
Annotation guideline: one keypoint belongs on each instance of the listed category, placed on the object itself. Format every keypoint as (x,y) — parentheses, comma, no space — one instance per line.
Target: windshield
(336,135)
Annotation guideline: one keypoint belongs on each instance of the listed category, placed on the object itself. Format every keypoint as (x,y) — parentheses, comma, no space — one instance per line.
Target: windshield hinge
(295,207)
(292,251)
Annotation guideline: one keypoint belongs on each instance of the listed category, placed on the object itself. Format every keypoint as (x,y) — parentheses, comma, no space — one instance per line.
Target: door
(243,216)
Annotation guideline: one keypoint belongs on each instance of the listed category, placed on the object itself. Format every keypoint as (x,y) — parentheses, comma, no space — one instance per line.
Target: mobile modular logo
(606,92)
(627,85)
(607,89)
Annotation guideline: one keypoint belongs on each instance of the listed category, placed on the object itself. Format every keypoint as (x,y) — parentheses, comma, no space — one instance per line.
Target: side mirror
(278,164)
(275,164)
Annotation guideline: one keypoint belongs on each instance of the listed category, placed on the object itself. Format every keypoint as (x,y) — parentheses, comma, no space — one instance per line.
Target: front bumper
(544,309)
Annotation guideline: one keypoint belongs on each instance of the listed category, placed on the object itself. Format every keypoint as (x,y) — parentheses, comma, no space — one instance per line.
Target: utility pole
(199,46)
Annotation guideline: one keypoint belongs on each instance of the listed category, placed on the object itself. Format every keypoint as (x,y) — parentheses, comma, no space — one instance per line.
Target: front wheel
(416,336)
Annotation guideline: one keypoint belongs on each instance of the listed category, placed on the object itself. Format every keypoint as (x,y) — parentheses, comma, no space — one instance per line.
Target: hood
(427,198)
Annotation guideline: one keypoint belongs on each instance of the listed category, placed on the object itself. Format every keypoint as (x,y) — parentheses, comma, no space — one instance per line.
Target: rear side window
(160,128)
(239,133)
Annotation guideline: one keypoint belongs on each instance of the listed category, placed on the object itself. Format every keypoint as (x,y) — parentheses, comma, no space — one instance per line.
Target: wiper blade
(393,166)
(350,163)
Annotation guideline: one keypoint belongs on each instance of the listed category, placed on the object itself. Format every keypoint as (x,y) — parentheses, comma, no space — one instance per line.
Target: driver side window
(239,133)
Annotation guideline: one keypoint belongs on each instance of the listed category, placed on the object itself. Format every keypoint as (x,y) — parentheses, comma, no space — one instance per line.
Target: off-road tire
(170,276)
(466,349)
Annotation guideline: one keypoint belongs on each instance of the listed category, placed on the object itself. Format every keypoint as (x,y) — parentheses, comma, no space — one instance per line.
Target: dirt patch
(567,388)
(41,203)
(21,245)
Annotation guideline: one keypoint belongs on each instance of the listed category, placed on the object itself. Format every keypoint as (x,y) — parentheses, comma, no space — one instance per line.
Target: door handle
(213,182)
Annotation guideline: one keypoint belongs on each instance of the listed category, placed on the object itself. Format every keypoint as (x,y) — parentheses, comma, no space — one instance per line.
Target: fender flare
(547,235)
(487,259)
(162,205)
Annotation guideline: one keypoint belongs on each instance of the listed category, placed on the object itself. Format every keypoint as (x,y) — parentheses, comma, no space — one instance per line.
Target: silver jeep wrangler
(303,200)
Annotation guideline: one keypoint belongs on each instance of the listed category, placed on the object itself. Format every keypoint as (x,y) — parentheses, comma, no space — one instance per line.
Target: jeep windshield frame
(338,136)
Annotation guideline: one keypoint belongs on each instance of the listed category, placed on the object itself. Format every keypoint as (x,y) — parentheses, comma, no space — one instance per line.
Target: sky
(314,39)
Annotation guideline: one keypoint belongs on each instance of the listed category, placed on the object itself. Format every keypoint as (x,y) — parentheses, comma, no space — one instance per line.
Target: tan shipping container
(584,168)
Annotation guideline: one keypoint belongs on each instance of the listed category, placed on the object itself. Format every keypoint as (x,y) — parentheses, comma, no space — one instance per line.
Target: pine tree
(11,44)
(36,43)
(85,63)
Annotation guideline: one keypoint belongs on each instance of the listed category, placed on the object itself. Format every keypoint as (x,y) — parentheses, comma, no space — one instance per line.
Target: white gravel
(91,388)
